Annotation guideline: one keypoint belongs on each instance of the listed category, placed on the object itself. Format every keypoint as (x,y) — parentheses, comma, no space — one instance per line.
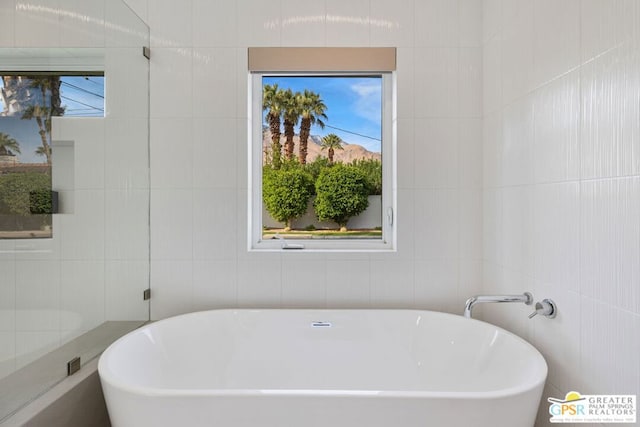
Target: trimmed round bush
(286,193)
(341,193)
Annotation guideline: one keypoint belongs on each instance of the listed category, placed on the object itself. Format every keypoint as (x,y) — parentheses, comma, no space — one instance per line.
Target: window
(27,104)
(322,153)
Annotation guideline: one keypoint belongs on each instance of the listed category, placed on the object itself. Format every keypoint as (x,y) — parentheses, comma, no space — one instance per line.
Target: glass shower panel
(68,294)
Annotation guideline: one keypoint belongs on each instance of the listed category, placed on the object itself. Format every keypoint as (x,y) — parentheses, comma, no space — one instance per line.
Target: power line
(90,80)
(353,133)
(75,110)
(81,103)
(83,90)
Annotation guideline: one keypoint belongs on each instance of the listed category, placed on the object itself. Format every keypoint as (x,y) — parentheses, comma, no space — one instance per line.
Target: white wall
(562,184)
(97,263)
(199,149)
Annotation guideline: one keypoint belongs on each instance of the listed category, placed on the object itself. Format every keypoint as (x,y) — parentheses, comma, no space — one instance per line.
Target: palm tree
(272,103)
(8,145)
(312,110)
(290,114)
(40,151)
(43,110)
(43,118)
(331,142)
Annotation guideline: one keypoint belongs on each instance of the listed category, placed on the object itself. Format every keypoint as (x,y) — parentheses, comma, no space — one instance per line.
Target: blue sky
(82,96)
(354,104)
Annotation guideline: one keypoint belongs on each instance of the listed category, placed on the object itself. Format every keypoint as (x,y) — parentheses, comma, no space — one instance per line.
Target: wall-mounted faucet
(526,298)
(546,308)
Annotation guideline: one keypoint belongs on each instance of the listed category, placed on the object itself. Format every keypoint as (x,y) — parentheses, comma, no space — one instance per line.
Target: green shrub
(314,168)
(372,168)
(40,201)
(342,192)
(16,190)
(286,193)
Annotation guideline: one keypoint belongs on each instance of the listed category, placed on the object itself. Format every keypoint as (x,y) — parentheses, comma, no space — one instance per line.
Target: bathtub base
(320,411)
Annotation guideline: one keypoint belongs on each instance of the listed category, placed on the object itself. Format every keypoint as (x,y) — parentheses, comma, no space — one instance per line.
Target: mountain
(351,151)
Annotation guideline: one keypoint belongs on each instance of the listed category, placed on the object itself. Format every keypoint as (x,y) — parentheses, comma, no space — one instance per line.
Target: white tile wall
(179,14)
(608,334)
(607,24)
(37,295)
(435,280)
(215,220)
(304,22)
(79,23)
(470,153)
(556,152)
(392,23)
(556,235)
(470,21)
(82,290)
(172,224)
(437,23)
(610,137)
(561,199)
(7,21)
(348,283)
(347,23)
(172,283)
(171,83)
(436,153)
(126,225)
(199,107)
(215,70)
(172,154)
(436,224)
(436,84)
(125,281)
(214,284)
(517,142)
(259,283)
(37,24)
(304,281)
(213,24)
(7,296)
(392,284)
(556,44)
(610,241)
(7,353)
(470,82)
(125,171)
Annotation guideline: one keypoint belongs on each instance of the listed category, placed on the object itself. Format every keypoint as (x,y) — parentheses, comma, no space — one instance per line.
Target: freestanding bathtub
(321,368)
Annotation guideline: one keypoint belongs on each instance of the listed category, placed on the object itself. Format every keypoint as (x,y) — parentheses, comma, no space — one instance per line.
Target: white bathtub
(363,368)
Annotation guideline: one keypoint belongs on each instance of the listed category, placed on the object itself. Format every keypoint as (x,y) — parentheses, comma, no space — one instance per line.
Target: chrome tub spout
(526,298)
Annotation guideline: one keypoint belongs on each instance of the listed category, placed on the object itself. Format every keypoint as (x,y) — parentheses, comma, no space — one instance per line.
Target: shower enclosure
(74,188)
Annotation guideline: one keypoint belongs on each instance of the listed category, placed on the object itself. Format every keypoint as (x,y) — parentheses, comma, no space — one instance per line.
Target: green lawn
(321,234)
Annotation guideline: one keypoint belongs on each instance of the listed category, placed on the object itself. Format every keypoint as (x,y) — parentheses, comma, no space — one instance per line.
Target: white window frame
(388,242)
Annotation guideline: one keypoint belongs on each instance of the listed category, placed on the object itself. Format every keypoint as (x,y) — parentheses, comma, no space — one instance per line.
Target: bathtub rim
(108,377)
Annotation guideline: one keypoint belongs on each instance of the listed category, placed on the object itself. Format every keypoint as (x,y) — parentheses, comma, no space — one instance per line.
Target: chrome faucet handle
(546,308)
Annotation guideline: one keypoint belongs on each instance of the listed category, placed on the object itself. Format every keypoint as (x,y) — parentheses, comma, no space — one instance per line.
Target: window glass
(325,160)
(27,105)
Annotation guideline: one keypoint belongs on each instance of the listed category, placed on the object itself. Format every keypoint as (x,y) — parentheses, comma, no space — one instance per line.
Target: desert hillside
(351,151)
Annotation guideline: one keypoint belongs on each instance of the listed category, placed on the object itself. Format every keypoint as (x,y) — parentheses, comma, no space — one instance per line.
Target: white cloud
(368,103)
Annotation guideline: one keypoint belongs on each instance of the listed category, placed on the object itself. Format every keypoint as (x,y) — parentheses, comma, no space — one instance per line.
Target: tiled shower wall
(562,184)
(199,258)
